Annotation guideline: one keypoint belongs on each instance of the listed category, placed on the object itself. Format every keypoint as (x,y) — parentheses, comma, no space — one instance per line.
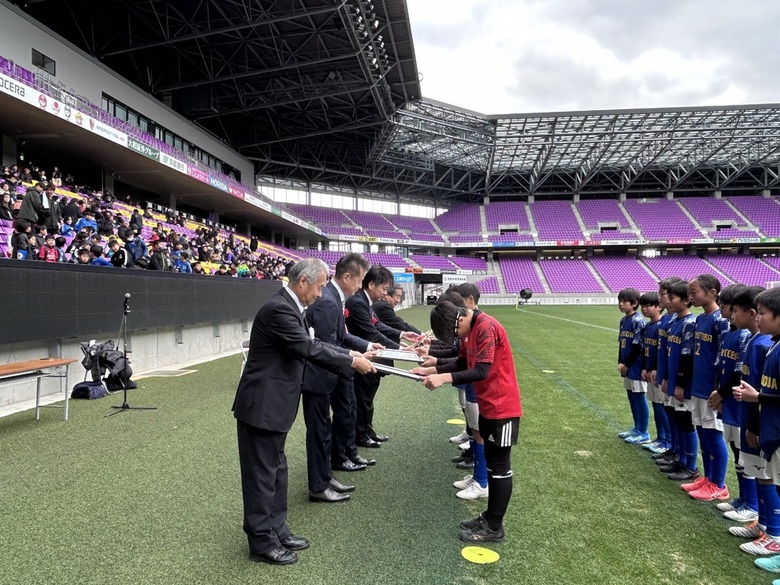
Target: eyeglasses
(457,322)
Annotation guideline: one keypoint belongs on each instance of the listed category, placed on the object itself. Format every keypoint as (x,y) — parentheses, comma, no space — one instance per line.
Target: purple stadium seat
(745,269)
(621,272)
(555,221)
(661,219)
(570,276)
(519,273)
(686,267)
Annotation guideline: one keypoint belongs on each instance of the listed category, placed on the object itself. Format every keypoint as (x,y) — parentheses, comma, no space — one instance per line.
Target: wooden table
(37,370)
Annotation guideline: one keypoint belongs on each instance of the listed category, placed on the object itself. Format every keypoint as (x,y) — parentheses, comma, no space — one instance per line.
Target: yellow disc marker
(456,421)
(479,555)
(548,371)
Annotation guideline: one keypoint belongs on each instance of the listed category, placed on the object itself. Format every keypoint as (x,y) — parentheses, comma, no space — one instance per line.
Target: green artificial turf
(154,496)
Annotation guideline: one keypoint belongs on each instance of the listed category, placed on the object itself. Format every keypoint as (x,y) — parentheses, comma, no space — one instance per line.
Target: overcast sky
(518,56)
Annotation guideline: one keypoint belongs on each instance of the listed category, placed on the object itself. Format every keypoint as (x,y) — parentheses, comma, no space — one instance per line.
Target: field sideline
(154,497)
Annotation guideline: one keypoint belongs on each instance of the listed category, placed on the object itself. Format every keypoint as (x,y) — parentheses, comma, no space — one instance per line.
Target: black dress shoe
(370,443)
(277,556)
(328,496)
(380,438)
(357,459)
(293,542)
(348,466)
(339,487)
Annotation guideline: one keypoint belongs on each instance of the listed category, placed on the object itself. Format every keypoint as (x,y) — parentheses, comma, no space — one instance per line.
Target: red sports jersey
(498,395)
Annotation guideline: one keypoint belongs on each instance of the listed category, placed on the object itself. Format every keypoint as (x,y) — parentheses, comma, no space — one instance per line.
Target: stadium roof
(327,91)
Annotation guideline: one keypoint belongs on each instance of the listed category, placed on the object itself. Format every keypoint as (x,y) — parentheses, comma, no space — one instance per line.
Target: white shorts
(669,400)
(773,468)
(654,393)
(704,415)
(684,405)
(753,465)
(731,435)
(635,386)
(472,415)
(462,397)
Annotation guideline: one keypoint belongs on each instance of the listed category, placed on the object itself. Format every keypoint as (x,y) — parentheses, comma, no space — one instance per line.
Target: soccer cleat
(752,530)
(771,564)
(659,448)
(665,459)
(683,475)
(482,532)
(709,492)
(638,439)
(461,457)
(626,434)
(655,443)
(667,453)
(741,514)
(473,523)
(729,506)
(464,446)
(466,464)
(461,438)
(671,467)
(694,485)
(763,545)
(463,483)
(472,492)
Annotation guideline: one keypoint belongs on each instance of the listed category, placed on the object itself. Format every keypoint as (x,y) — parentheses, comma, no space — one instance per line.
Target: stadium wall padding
(60,301)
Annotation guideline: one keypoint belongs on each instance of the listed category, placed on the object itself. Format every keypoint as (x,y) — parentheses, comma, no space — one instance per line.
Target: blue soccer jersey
(663,353)
(650,342)
(732,355)
(752,367)
(631,328)
(680,341)
(769,437)
(710,329)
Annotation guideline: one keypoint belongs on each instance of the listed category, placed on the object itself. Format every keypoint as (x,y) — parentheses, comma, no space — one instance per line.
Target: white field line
(569,320)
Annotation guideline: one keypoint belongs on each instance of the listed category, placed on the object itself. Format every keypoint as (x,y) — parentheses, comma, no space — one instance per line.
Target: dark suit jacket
(387,315)
(279,346)
(363,322)
(326,316)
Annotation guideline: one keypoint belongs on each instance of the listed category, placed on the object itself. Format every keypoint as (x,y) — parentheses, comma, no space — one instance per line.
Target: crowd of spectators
(88,229)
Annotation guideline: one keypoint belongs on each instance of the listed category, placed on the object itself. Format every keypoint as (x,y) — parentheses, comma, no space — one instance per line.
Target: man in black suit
(266,404)
(333,444)
(363,322)
(385,310)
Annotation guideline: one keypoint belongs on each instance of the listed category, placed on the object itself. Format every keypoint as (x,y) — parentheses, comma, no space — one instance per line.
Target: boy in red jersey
(485,360)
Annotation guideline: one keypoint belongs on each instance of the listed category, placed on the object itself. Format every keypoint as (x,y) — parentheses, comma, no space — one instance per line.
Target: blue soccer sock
(770,501)
(642,412)
(632,405)
(674,432)
(480,465)
(690,448)
(748,490)
(661,422)
(719,456)
(704,443)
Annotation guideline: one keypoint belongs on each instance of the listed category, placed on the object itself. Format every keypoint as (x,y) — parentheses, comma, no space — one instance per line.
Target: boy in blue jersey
(744,507)
(703,292)
(630,365)
(768,441)
(651,309)
(680,345)
(659,376)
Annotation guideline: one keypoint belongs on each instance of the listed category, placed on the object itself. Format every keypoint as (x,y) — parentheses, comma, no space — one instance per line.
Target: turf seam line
(569,320)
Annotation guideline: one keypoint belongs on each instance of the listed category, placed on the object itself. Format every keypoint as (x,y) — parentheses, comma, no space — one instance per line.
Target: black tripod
(123,335)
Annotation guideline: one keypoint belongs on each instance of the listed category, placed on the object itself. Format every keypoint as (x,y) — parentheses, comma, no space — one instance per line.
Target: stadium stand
(744,268)
(763,212)
(488,286)
(461,219)
(570,276)
(676,225)
(555,220)
(623,272)
(519,273)
(467,263)
(506,214)
(432,262)
(685,267)
(596,213)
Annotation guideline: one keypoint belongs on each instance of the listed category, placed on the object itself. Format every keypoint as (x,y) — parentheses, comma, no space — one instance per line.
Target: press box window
(44,62)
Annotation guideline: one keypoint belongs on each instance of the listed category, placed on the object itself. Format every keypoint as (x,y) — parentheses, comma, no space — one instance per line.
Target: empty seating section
(774,263)
(388,260)
(595,212)
(733,233)
(685,267)
(623,272)
(520,273)
(344,231)
(417,225)
(468,238)
(370,221)
(570,276)
(432,262)
(675,225)
(555,220)
(506,213)
(488,286)
(330,257)
(612,235)
(763,212)
(323,217)
(507,237)
(385,234)
(708,211)
(745,269)
(462,219)
(467,263)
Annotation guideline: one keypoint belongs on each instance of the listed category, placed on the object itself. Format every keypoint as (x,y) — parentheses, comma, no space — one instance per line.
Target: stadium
(257,134)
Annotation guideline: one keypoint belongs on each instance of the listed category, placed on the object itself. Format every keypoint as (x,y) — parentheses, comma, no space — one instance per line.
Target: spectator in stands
(96,256)
(56,177)
(6,206)
(96,240)
(105,224)
(82,256)
(41,175)
(123,231)
(87,221)
(20,240)
(70,208)
(197,268)
(54,221)
(25,176)
(61,242)
(35,205)
(147,214)
(5,187)
(67,226)
(119,257)
(49,251)
(158,257)
(222,271)
(136,247)
(36,241)
(81,239)
(181,264)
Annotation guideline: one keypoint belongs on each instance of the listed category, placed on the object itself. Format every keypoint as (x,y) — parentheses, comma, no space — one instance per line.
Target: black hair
(771,300)
(746,298)
(377,274)
(453,296)
(468,289)
(650,299)
(353,263)
(667,282)
(708,282)
(60,241)
(96,249)
(443,318)
(728,294)
(679,289)
(629,294)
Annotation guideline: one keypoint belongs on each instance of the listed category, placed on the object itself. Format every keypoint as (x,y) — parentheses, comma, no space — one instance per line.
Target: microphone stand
(123,334)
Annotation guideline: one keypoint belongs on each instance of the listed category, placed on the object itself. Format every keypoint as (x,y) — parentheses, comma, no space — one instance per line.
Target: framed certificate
(400,355)
(397,372)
